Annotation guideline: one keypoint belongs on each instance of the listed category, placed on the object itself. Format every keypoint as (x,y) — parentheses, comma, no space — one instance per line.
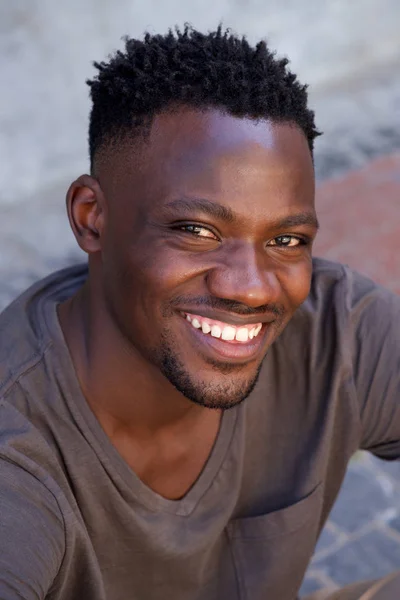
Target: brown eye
(198,231)
(286,241)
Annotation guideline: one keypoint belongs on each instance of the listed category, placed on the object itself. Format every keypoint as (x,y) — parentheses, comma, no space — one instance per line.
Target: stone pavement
(360,218)
(362,537)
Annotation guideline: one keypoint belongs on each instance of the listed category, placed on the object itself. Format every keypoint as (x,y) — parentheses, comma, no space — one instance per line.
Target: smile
(224,331)
(236,343)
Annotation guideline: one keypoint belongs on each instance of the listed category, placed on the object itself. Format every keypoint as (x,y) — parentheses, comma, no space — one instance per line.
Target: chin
(224,389)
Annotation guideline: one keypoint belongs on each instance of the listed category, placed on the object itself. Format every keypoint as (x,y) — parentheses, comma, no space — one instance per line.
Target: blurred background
(349,54)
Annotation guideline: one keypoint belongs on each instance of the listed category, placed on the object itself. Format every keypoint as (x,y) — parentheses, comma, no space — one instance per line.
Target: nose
(244,276)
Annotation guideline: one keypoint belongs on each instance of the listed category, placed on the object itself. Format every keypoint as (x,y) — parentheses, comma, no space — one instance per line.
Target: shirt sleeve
(31,535)
(375,327)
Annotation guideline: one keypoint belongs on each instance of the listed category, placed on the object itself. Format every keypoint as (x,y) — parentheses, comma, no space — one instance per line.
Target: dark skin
(212,215)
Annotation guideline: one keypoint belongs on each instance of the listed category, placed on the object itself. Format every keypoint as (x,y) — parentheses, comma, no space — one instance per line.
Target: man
(177,415)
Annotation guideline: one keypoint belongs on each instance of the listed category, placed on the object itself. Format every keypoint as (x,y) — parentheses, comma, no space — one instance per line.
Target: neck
(123,389)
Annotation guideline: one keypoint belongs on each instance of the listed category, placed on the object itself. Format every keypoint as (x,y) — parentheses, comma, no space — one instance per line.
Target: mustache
(227,305)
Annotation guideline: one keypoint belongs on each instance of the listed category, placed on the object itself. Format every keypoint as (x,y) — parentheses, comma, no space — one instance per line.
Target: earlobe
(85,206)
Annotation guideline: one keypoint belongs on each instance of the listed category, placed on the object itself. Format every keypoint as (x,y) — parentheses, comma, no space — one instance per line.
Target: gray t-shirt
(76,523)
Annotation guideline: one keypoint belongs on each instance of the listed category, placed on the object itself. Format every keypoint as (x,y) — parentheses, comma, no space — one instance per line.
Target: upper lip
(230,318)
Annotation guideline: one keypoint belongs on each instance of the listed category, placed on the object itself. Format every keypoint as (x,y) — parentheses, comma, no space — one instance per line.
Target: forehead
(214,155)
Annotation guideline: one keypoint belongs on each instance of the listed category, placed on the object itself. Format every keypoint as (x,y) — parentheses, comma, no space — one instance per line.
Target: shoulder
(32,541)
(345,317)
(351,294)
(24,331)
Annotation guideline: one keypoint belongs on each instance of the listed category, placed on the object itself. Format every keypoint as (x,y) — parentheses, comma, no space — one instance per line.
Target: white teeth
(205,327)
(242,334)
(228,333)
(216,331)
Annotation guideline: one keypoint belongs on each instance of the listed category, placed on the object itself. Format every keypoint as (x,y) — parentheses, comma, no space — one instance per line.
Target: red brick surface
(360,220)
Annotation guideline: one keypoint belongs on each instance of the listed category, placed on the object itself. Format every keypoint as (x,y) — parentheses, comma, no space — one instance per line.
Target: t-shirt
(76,523)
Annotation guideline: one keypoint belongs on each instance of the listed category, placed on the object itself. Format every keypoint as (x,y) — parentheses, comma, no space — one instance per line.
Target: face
(206,246)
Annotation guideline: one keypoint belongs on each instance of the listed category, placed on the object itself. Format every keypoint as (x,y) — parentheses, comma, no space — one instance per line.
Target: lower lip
(231,350)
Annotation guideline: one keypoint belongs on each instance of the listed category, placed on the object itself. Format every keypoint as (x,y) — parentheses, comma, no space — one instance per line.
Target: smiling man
(178,414)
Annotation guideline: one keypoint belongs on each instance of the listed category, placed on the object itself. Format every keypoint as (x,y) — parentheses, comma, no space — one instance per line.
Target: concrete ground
(361,540)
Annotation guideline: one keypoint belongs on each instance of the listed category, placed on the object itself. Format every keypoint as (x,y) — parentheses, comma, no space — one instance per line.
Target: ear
(86,212)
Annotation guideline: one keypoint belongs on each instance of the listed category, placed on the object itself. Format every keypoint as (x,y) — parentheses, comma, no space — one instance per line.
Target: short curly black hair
(190,68)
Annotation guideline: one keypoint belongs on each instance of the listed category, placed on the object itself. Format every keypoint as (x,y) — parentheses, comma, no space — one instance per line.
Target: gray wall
(46,49)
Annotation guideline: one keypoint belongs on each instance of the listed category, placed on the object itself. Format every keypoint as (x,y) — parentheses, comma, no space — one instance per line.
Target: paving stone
(369,556)
(395,524)
(327,539)
(361,500)
(311,583)
(389,467)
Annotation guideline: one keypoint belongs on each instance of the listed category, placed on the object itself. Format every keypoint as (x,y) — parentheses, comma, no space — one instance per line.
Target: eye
(198,231)
(287,241)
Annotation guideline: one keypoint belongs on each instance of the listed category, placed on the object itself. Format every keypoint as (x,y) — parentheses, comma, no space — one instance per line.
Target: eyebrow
(223,213)
(303,218)
(213,209)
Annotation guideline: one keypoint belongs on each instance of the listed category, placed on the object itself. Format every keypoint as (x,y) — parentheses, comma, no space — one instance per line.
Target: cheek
(143,278)
(135,280)
(296,282)
(134,297)
(158,274)
(163,270)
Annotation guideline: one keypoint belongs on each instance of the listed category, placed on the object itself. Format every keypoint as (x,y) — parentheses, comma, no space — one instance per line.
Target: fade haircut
(214,70)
